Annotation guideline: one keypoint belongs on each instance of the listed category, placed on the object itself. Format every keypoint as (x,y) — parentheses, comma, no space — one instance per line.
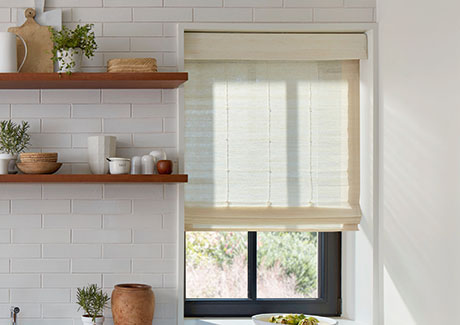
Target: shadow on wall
(418,229)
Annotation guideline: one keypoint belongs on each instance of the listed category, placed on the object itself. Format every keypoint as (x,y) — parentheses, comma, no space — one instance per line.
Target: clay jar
(164,166)
(133,304)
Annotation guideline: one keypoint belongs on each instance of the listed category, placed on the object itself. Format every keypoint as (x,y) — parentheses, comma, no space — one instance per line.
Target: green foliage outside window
(294,253)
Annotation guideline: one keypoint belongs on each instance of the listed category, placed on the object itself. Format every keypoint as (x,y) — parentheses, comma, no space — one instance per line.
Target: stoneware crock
(133,304)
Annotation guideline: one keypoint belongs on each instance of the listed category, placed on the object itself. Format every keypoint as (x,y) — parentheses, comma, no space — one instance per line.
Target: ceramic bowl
(39,167)
(262,319)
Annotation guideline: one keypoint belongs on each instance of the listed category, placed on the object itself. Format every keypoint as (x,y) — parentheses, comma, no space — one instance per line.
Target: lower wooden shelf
(84,178)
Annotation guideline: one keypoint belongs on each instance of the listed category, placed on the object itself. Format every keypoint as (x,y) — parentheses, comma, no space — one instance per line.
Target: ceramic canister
(148,165)
(119,166)
(136,165)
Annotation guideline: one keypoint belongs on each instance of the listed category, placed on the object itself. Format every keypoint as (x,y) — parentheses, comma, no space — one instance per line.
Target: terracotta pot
(133,304)
(164,166)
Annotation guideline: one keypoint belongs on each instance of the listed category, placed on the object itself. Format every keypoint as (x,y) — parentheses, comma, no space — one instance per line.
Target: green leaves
(82,37)
(92,300)
(294,252)
(294,319)
(14,138)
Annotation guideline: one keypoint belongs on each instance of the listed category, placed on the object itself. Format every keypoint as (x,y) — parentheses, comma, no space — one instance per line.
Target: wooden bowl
(39,167)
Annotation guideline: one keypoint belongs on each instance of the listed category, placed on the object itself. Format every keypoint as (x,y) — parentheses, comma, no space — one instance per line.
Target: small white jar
(118,166)
(147,165)
(136,165)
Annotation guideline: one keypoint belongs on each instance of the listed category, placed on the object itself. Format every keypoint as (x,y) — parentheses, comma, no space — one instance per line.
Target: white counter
(245,321)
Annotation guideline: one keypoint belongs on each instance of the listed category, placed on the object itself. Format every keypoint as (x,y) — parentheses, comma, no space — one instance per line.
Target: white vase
(70,60)
(5,159)
(99,149)
(86,320)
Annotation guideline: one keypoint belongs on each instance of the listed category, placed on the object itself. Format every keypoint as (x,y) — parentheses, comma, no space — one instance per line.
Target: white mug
(8,52)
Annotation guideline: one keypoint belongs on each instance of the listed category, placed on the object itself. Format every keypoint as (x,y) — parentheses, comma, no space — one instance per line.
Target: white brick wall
(55,238)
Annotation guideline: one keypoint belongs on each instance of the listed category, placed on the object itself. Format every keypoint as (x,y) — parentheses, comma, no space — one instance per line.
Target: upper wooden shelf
(85,178)
(87,80)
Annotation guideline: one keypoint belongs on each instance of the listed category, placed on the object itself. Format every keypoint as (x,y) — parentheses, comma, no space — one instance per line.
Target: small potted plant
(14,139)
(70,45)
(93,301)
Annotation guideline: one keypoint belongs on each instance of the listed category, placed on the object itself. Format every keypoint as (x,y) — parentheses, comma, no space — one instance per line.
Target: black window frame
(328,303)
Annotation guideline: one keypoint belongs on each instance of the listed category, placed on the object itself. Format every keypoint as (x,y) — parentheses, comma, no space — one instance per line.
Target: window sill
(244,321)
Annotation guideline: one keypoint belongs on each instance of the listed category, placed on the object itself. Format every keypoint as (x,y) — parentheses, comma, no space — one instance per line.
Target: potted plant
(93,301)
(70,45)
(14,139)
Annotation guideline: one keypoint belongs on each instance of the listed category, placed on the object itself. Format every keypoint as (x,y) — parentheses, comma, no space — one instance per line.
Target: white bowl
(262,319)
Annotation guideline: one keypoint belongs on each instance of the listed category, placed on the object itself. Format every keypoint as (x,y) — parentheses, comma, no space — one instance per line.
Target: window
(272,152)
(242,274)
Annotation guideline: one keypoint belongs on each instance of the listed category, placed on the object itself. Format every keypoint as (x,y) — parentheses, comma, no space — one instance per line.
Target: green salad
(294,319)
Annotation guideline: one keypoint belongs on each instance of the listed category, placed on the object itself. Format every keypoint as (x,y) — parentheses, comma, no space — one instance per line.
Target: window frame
(329,299)
(367,240)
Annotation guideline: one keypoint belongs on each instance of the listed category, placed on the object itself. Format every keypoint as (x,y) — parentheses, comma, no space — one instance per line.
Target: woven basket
(38,157)
(132,65)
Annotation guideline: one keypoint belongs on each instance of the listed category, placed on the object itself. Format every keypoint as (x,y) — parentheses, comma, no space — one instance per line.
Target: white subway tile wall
(55,238)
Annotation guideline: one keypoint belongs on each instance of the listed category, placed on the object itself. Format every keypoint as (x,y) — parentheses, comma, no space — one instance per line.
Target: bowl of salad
(292,319)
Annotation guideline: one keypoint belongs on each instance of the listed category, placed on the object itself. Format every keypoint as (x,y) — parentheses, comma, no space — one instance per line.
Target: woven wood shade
(272,145)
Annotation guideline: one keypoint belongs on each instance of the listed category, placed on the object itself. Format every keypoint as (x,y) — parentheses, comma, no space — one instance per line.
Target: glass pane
(287,265)
(216,265)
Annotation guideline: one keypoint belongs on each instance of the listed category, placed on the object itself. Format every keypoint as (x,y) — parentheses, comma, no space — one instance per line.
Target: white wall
(55,238)
(420,98)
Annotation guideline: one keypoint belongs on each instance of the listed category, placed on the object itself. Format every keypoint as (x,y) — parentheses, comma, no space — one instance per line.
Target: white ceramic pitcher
(8,52)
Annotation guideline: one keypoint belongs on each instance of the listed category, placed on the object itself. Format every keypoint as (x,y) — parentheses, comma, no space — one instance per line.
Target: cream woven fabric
(272,145)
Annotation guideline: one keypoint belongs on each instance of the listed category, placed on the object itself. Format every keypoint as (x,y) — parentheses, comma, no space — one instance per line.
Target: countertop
(245,321)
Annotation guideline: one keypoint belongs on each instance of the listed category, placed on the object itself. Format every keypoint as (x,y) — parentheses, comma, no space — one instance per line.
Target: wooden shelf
(105,80)
(77,178)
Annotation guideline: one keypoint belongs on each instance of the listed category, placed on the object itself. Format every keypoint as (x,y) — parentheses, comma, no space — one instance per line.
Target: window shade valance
(272,145)
(275,46)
